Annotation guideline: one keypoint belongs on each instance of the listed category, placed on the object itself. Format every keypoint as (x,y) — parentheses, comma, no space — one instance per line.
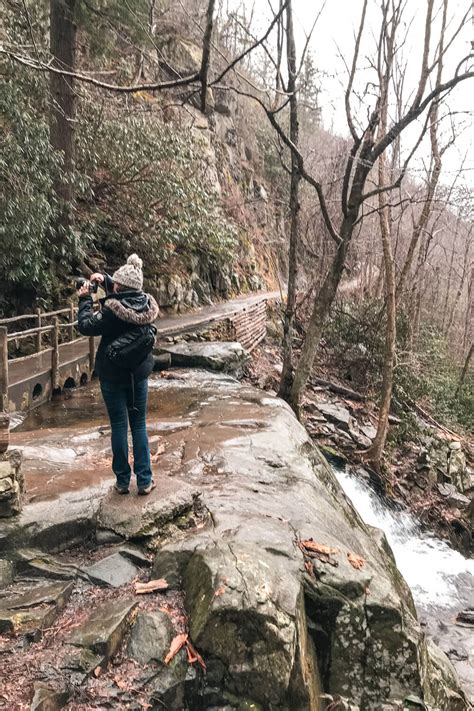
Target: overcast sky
(335,36)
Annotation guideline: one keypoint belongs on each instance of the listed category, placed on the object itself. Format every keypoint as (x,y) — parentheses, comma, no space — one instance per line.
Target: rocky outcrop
(11,483)
(278,629)
(285,596)
(228,357)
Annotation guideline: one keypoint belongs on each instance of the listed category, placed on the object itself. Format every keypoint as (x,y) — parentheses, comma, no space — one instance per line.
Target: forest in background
(378,259)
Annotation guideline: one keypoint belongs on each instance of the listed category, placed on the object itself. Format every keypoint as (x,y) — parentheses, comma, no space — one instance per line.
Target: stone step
(34,610)
(104,631)
(113,571)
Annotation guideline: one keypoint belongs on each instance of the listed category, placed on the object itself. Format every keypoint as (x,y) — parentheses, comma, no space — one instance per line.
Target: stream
(440,578)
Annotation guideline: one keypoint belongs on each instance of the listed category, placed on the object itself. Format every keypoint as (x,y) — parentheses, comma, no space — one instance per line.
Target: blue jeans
(118,401)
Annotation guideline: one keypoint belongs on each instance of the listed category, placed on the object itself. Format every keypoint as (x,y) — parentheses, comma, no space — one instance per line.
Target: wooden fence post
(38,335)
(91,354)
(71,321)
(55,354)
(4,417)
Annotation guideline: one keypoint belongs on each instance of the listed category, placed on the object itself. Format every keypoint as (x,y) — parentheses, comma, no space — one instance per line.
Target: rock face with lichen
(11,483)
(278,628)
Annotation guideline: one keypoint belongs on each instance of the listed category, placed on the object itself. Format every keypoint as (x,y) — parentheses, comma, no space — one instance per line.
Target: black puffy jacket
(120,313)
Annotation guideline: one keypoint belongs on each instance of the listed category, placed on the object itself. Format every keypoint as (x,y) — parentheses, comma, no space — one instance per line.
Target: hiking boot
(145,490)
(122,490)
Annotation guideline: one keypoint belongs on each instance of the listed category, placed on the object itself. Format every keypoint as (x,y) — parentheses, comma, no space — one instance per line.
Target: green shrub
(145,190)
(32,250)
(355,339)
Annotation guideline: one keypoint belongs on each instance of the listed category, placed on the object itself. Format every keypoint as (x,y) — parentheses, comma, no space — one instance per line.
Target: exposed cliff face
(232,158)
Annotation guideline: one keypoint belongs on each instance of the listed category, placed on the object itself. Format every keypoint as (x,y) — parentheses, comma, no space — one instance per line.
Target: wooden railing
(36,333)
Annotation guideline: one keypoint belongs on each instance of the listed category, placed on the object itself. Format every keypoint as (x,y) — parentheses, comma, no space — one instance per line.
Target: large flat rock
(222,356)
(112,571)
(275,628)
(144,517)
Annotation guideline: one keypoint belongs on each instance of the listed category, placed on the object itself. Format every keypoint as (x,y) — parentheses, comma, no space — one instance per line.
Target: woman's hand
(84,290)
(97,277)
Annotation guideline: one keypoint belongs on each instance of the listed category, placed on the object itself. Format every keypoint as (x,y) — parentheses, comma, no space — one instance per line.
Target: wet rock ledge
(290,599)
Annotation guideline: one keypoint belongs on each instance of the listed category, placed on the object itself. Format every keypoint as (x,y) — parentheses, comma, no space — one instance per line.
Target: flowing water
(440,578)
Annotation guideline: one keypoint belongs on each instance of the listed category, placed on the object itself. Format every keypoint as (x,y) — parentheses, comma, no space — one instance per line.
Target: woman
(125,390)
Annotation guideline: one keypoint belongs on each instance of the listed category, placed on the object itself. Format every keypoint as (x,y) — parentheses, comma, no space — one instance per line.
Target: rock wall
(11,483)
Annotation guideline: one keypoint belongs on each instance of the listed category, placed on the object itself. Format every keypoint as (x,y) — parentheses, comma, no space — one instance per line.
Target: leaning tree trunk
(287,372)
(62,97)
(464,370)
(375,451)
(321,308)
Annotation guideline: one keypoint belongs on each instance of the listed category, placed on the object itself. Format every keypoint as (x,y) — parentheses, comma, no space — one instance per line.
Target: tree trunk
(375,451)
(464,370)
(287,372)
(321,308)
(206,53)
(62,96)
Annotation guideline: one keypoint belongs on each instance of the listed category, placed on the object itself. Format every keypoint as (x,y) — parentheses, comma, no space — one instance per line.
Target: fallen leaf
(151,586)
(97,672)
(308,567)
(159,450)
(120,683)
(356,561)
(311,545)
(219,591)
(176,644)
(194,656)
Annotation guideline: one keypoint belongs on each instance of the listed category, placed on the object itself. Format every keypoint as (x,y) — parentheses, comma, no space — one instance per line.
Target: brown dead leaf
(120,683)
(356,561)
(97,672)
(177,643)
(308,566)
(194,656)
(151,586)
(159,450)
(219,591)
(310,545)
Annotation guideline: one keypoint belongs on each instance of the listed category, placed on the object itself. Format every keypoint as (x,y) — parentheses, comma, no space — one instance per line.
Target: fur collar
(138,318)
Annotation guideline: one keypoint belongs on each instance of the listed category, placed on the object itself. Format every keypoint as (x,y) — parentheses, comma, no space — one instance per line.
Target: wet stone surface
(238,487)
(115,571)
(33,610)
(105,629)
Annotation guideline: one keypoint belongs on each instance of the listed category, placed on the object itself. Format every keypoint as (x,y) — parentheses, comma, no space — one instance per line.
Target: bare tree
(389,30)
(62,98)
(367,147)
(287,373)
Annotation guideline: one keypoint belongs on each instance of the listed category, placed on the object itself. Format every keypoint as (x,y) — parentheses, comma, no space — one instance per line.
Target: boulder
(337,414)
(150,637)
(228,357)
(113,571)
(11,483)
(46,698)
(103,632)
(277,629)
(35,609)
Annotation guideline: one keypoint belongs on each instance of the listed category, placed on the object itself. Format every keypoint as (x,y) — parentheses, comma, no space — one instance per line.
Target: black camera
(92,285)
